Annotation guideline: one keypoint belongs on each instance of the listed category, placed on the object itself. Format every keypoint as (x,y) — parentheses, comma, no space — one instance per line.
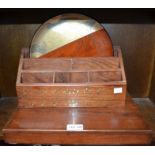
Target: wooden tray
(123,125)
(71,82)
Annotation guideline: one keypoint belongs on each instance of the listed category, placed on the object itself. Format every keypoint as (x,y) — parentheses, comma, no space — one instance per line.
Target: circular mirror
(71,35)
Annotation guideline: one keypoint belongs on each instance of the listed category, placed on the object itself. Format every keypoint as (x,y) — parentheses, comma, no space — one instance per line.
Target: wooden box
(71,82)
(54,93)
(123,125)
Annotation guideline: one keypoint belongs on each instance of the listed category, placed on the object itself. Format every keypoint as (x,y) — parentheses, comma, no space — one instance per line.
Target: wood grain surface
(122,125)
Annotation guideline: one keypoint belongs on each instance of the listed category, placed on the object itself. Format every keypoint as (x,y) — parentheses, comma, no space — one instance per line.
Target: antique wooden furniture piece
(71,82)
(75,93)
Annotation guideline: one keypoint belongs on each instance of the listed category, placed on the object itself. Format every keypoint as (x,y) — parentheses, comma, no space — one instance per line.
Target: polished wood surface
(96,44)
(71,82)
(147,109)
(146,106)
(122,125)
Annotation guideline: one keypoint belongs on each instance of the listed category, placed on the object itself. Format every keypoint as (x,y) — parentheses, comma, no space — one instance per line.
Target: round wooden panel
(71,35)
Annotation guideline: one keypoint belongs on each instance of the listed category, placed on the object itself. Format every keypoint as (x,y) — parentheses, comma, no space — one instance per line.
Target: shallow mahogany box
(71,82)
(101,125)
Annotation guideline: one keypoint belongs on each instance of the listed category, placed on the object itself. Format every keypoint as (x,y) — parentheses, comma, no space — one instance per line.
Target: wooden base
(122,125)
